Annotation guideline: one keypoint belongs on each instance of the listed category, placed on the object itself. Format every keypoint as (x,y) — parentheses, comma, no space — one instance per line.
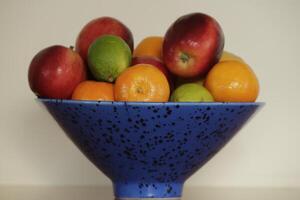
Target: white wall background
(33,149)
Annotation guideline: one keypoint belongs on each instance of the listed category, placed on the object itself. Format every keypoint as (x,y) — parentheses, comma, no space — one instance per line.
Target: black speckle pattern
(148,150)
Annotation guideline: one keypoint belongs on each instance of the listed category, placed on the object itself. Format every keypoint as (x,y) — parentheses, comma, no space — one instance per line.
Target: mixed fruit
(187,64)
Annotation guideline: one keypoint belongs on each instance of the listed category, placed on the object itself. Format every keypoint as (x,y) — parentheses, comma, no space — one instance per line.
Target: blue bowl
(149,150)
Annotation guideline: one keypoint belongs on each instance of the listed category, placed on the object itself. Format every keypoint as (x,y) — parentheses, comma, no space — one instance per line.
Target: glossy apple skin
(98,27)
(54,72)
(157,63)
(192,45)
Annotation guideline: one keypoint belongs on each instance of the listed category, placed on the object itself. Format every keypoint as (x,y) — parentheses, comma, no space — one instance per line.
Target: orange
(226,56)
(149,46)
(232,81)
(93,90)
(142,82)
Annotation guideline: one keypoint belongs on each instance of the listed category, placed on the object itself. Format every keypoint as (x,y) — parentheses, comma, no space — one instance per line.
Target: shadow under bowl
(149,150)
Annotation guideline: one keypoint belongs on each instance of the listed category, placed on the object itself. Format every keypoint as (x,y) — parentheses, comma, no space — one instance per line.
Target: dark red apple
(192,45)
(98,27)
(155,62)
(55,72)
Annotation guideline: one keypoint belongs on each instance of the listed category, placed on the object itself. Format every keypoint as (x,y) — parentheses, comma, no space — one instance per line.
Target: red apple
(155,62)
(55,72)
(98,27)
(192,45)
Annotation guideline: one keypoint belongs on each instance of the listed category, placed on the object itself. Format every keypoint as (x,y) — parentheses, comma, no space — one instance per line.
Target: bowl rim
(139,103)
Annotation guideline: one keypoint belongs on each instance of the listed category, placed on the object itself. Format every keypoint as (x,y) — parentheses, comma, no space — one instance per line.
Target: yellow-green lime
(191,92)
(108,57)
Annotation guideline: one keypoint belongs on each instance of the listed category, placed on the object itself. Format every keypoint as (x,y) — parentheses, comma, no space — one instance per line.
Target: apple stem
(72,48)
(184,57)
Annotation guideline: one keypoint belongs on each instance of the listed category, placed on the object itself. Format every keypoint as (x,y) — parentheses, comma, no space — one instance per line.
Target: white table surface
(105,193)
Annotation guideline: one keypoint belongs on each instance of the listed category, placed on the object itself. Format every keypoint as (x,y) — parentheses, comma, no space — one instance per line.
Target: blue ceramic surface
(148,150)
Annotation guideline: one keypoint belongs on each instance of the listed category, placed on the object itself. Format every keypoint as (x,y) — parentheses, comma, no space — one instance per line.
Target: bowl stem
(148,191)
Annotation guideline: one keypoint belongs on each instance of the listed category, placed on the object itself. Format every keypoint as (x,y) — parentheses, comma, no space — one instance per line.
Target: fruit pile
(187,64)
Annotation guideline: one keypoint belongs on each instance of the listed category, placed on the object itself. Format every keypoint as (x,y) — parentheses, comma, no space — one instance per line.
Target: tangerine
(142,82)
(149,46)
(94,90)
(232,81)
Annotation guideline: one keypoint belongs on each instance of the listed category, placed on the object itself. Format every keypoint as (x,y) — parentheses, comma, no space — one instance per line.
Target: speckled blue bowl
(148,150)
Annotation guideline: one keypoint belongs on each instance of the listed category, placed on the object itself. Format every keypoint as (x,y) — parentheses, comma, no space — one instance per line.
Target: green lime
(191,92)
(108,57)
